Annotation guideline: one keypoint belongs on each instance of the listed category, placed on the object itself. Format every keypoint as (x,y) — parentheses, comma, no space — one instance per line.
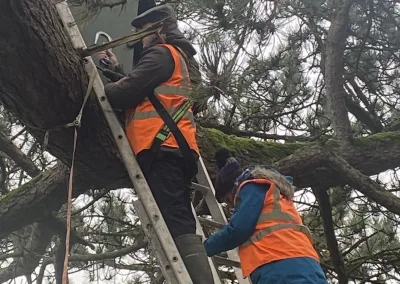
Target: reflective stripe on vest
(277,215)
(184,89)
(154,113)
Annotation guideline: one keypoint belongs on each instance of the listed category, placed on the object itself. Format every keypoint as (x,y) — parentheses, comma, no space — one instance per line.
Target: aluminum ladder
(156,231)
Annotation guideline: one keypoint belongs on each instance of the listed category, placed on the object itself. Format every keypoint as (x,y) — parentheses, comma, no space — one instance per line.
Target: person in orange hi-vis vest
(274,245)
(162,80)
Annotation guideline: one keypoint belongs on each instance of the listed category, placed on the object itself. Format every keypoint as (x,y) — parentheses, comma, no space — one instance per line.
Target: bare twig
(32,253)
(98,196)
(59,227)
(95,257)
(358,243)
(18,156)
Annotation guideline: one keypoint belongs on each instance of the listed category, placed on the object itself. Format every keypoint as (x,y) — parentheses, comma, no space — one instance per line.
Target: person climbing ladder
(162,76)
(274,245)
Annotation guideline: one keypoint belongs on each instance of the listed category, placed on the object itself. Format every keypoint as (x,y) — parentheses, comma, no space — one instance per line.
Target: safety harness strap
(170,125)
(179,113)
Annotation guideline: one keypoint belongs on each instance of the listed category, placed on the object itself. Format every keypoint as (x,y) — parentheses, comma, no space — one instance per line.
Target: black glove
(112,75)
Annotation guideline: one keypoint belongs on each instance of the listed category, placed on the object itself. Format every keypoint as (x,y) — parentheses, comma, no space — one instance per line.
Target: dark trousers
(171,189)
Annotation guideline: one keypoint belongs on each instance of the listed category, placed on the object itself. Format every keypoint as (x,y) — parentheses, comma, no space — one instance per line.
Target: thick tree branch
(333,73)
(245,133)
(36,199)
(327,164)
(12,151)
(362,97)
(365,185)
(326,214)
(370,155)
(149,268)
(362,115)
(56,89)
(59,256)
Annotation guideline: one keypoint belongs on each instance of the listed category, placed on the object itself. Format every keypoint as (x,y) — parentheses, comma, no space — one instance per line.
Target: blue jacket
(241,227)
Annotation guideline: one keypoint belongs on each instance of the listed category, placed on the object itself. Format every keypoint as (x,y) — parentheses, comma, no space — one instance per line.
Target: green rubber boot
(195,258)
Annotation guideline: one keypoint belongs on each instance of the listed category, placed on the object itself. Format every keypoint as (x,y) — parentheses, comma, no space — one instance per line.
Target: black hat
(229,171)
(153,15)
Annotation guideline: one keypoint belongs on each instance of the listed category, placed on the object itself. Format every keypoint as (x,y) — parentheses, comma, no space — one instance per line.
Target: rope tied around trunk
(75,123)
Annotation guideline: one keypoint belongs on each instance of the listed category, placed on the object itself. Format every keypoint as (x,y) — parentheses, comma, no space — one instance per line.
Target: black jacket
(155,67)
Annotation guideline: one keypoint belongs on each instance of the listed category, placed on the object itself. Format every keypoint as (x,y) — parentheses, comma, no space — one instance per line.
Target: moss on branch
(211,140)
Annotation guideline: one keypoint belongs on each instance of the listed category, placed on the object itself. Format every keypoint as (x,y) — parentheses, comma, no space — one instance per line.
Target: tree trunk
(43,83)
(333,73)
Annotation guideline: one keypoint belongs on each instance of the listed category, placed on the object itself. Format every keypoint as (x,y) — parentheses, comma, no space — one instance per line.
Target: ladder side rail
(217,213)
(139,182)
(156,246)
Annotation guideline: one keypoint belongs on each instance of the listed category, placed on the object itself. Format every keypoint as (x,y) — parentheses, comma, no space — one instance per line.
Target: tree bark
(35,200)
(43,83)
(333,73)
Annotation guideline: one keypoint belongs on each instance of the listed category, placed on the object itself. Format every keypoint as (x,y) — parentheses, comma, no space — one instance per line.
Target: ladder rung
(203,189)
(210,223)
(225,261)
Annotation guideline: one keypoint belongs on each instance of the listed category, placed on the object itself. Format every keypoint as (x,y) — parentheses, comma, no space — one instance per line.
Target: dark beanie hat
(228,171)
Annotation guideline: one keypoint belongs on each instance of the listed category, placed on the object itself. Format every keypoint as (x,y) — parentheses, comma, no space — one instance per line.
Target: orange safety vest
(143,122)
(279,234)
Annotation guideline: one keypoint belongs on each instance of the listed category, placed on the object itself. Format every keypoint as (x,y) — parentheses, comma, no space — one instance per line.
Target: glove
(112,75)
